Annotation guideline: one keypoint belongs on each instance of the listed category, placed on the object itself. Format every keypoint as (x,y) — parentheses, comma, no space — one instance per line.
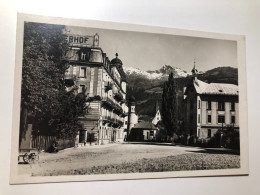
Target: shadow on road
(150,143)
(217,151)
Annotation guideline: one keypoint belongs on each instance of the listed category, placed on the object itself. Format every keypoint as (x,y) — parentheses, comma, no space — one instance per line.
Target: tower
(157,116)
(194,72)
(131,114)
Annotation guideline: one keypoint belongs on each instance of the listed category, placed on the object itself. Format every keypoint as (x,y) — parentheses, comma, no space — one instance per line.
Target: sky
(150,51)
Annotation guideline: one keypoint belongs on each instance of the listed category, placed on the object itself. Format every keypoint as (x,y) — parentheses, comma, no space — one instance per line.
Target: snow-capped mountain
(157,74)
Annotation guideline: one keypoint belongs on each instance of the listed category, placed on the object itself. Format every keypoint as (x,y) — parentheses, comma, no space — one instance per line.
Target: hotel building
(104,83)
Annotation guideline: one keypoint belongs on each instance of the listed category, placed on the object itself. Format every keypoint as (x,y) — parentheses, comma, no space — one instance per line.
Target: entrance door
(82,136)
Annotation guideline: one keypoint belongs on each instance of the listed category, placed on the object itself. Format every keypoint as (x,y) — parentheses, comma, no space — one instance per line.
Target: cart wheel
(26,158)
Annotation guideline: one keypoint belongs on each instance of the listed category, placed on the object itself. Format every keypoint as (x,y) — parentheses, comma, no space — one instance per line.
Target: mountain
(147,86)
(162,73)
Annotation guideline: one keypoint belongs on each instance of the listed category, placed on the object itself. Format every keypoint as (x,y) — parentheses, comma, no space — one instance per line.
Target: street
(126,157)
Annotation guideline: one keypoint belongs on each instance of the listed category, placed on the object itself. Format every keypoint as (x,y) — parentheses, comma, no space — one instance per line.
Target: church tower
(194,72)
(132,118)
(157,116)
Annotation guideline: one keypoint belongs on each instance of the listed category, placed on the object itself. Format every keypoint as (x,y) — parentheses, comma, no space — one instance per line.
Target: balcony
(107,104)
(111,106)
(118,97)
(115,121)
(108,86)
(117,110)
(124,114)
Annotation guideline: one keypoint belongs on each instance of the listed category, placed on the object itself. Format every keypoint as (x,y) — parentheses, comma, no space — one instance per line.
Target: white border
(243,170)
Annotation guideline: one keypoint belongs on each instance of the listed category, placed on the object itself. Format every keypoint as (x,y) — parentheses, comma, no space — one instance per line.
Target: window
(209,118)
(221,119)
(83,56)
(209,105)
(198,104)
(198,132)
(125,122)
(233,119)
(158,118)
(81,89)
(199,118)
(209,132)
(83,72)
(221,106)
(232,106)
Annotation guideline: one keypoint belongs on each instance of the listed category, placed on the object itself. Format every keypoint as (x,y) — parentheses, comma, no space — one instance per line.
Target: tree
(44,99)
(169,107)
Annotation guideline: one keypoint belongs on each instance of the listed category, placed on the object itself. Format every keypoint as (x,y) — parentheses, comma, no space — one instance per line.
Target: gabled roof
(215,88)
(145,125)
(221,89)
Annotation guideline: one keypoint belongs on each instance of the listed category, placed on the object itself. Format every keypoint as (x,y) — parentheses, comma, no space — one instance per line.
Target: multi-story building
(104,83)
(209,107)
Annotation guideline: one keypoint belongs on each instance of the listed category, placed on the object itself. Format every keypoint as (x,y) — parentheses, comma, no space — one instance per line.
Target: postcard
(96,100)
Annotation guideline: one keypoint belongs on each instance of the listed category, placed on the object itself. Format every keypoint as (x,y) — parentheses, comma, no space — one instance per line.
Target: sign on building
(83,41)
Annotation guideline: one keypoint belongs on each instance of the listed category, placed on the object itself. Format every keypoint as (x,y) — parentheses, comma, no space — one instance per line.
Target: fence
(44,142)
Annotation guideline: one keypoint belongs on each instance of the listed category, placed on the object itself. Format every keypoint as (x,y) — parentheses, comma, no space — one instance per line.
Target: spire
(156,106)
(116,55)
(194,70)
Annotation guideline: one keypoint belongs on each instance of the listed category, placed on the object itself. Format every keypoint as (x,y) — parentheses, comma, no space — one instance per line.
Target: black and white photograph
(106,101)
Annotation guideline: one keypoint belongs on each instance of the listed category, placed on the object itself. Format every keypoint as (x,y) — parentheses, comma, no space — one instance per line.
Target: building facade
(209,107)
(143,131)
(104,83)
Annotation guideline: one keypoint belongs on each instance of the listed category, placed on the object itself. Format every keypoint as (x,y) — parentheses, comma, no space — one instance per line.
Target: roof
(145,125)
(118,64)
(215,88)
(116,60)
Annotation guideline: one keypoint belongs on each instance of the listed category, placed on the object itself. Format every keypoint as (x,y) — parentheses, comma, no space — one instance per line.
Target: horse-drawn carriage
(28,157)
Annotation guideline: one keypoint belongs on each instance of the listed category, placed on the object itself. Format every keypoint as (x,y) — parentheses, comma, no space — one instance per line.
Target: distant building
(143,131)
(104,82)
(209,107)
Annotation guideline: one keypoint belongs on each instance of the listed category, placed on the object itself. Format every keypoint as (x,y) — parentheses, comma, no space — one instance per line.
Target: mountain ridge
(147,89)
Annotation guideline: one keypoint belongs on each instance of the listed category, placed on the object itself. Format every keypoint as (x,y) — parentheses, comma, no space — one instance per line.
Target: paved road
(97,155)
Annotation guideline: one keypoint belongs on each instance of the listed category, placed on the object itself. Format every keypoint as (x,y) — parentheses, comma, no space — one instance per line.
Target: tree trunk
(23,122)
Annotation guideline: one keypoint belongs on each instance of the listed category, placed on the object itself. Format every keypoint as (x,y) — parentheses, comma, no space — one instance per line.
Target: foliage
(231,138)
(44,97)
(169,105)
